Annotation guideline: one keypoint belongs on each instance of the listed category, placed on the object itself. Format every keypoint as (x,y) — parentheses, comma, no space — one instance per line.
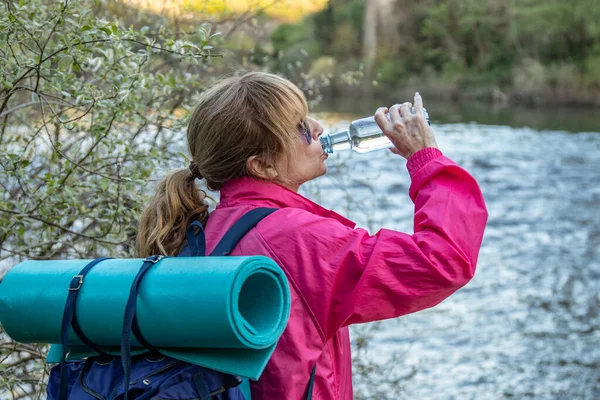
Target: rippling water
(527,325)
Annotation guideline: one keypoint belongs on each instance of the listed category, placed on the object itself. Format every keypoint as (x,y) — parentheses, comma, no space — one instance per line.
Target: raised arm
(348,276)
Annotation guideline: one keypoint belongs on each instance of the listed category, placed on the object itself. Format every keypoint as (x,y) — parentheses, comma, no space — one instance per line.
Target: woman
(251,139)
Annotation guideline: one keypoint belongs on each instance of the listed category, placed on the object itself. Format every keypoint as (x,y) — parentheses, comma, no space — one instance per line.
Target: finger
(394,150)
(382,119)
(395,113)
(405,109)
(419,105)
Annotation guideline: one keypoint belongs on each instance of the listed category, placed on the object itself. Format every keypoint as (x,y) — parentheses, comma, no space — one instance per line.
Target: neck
(291,186)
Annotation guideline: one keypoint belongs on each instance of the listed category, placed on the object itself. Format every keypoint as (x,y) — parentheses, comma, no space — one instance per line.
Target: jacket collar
(251,191)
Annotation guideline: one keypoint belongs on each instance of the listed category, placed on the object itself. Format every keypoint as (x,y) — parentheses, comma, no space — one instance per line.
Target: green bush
(289,35)
(90,108)
(529,76)
(564,78)
(392,71)
(323,66)
(592,71)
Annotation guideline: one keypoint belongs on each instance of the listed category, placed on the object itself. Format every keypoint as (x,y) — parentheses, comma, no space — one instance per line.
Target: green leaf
(186,158)
(65,63)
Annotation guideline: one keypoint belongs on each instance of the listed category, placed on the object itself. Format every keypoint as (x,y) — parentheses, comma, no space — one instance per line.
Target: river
(527,325)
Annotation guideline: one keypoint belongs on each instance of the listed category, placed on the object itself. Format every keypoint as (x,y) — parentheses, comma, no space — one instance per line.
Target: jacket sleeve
(347,276)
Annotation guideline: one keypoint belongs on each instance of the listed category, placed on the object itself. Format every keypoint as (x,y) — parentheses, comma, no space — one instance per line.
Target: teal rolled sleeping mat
(224,313)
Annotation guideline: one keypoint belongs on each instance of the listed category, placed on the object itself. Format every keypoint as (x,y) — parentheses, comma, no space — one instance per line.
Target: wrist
(418,159)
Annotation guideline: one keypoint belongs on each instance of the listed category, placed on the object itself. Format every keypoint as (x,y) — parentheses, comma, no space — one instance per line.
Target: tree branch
(60,227)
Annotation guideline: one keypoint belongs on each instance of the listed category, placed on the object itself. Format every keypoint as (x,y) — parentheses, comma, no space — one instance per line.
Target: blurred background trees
(530,52)
(533,50)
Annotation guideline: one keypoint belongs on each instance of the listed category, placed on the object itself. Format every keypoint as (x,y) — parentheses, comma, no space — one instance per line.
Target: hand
(408,132)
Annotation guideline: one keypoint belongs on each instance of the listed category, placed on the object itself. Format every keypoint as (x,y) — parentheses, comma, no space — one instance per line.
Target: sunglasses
(305,131)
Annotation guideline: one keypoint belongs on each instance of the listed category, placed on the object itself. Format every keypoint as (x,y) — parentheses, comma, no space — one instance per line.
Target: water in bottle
(362,136)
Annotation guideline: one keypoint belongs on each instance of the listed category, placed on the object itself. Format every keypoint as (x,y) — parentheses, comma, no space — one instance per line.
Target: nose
(315,127)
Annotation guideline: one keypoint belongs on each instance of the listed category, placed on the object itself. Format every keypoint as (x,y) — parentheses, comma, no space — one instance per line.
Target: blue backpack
(148,376)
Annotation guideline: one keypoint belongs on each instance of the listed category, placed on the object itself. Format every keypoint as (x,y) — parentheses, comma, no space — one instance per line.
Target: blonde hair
(255,114)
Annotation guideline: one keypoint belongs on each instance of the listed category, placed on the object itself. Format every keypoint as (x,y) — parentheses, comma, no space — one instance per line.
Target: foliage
(87,106)
(393,70)
(333,31)
(338,28)
(90,107)
(494,38)
(286,10)
(592,68)
(288,35)
(529,75)
(321,51)
(323,65)
(473,42)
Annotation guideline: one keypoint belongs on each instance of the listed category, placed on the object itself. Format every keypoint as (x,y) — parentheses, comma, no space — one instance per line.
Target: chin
(323,170)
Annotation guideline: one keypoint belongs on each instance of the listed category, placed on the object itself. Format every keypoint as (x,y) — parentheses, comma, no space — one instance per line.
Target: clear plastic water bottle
(362,136)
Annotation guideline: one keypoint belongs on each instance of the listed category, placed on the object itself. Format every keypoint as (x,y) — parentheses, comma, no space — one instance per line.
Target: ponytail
(178,201)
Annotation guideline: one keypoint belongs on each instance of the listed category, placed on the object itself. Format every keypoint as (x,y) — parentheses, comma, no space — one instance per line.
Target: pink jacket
(340,275)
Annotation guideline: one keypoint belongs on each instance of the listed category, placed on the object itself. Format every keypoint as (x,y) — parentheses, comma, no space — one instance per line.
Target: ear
(259,168)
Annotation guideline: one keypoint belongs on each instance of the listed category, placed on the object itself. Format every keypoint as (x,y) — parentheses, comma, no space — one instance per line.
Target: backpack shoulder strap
(239,229)
(311,383)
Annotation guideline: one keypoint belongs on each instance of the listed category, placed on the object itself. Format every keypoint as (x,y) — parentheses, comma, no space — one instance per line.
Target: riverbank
(465,93)
(443,109)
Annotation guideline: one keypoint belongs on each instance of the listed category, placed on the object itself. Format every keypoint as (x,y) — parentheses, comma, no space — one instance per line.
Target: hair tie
(195,171)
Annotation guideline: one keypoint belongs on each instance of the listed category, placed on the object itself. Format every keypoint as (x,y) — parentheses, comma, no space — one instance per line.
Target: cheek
(307,161)
(316,147)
